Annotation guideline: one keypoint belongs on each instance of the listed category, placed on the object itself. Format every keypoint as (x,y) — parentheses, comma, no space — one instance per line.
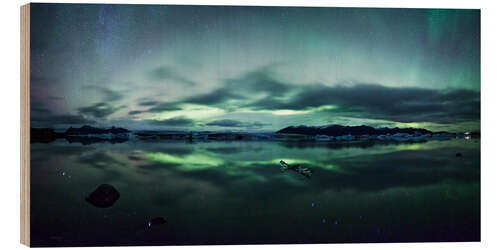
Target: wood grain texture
(25,124)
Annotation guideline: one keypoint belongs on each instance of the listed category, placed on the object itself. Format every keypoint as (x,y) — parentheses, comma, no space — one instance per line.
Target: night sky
(253,68)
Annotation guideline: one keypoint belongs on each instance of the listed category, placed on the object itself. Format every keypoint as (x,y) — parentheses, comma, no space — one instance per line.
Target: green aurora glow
(253,68)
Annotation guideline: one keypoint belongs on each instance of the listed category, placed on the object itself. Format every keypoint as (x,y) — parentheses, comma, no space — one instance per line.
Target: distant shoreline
(333,133)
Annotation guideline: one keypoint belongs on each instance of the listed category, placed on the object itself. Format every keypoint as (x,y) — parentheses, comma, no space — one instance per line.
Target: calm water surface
(235,192)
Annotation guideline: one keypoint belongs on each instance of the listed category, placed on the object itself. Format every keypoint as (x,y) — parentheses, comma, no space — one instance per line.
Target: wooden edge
(25,124)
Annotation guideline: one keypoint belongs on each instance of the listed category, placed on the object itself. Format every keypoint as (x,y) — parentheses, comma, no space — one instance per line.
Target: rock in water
(459,154)
(104,196)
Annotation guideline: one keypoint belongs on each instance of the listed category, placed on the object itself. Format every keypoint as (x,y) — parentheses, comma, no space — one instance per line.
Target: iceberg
(323,138)
(307,172)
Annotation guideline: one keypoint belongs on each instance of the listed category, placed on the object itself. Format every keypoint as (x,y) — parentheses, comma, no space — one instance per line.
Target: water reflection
(234,192)
(104,196)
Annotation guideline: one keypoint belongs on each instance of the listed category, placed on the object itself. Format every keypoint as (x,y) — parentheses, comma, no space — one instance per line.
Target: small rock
(459,154)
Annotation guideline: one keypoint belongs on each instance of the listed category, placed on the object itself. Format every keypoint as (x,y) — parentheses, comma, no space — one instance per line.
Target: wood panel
(25,124)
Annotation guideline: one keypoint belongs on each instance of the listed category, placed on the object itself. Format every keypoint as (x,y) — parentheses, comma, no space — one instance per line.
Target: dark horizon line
(254,130)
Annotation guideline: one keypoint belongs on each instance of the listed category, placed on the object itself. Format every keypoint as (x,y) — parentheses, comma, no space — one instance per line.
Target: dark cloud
(99,110)
(148,103)
(272,103)
(165,73)
(216,97)
(236,124)
(49,120)
(41,116)
(174,122)
(135,112)
(155,107)
(379,102)
(362,100)
(111,95)
(135,158)
(163,106)
(261,81)
(233,89)
(108,94)
(258,81)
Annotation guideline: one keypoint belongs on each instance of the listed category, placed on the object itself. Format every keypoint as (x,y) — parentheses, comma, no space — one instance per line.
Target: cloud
(111,95)
(51,120)
(259,81)
(155,107)
(163,106)
(236,124)
(147,103)
(41,116)
(361,100)
(174,122)
(135,112)
(218,96)
(164,73)
(99,110)
(407,104)
(108,94)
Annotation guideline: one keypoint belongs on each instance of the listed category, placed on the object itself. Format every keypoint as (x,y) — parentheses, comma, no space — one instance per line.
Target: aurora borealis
(253,68)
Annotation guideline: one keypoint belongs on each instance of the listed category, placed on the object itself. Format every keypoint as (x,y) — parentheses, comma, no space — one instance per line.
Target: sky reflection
(217,192)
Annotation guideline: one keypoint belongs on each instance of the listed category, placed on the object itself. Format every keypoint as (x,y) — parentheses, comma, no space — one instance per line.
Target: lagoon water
(234,192)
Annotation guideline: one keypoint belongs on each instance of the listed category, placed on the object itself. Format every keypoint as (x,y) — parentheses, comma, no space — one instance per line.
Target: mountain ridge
(338,130)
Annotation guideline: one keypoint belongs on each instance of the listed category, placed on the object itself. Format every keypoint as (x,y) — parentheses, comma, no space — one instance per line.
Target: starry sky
(253,68)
